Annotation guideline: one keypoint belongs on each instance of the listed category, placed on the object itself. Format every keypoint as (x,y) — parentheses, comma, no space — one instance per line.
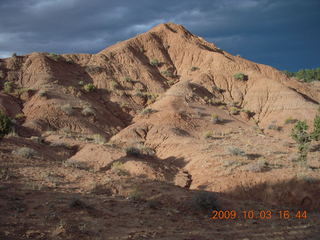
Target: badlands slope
(131,158)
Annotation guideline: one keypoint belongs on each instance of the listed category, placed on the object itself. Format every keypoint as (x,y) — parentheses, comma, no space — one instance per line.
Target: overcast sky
(282,33)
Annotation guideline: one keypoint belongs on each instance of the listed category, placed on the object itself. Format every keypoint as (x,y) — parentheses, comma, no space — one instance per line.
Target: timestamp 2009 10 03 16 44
(261,214)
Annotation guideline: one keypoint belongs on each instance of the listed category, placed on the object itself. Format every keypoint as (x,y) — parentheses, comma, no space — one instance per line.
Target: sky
(282,33)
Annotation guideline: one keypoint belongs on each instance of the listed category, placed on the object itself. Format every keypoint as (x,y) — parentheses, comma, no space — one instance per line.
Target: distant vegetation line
(307,75)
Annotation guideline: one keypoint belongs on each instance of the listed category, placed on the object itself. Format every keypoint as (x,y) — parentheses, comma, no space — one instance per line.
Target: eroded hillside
(145,127)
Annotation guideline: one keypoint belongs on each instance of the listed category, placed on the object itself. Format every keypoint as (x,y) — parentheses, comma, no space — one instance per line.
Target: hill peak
(169,26)
(164,34)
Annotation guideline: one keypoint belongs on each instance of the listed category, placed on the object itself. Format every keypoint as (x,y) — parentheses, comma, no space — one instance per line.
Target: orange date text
(257,214)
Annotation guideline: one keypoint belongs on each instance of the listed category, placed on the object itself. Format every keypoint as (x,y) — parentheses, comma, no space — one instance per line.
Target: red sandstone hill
(174,98)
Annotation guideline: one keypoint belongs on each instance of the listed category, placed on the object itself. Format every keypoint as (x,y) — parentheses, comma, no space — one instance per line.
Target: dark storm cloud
(281,33)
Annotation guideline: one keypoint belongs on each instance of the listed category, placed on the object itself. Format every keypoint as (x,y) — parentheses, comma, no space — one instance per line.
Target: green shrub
(36,139)
(257,166)
(246,111)
(216,119)
(306,75)
(88,111)
(67,108)
(290,120)
(146,151)
(209,101)
(99,139)
(315,135)
(180,132)
(194,69)
(70,90)
(118,168)
(205,201)
(230,162)
(208,135)
(135,195)
(43,93)
(8,87)
(274,126)
(153,204)
(249,113)
(92,69)
(5,125)
(151,97)
(240,76)
(302,137)
(76,164)
(217,89)
(89,87)
(234,104)
(5,173)
(54,56)
(167,73)
(217,102)
(234,111)
(14,55)
(20,91)
(139,93)
(2,75)
(236,151)
(143,94)
(147,111)
(133,151)
(128,79)
(25,152)
(124,105)
(139,151)
(114,85)
(155,62)
(19,116)
(171,82)
(141,49)
(70,61)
